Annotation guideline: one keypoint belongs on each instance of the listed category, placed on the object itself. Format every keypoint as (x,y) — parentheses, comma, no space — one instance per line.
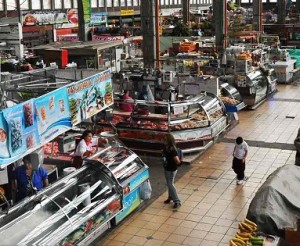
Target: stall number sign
(178,110)
(241,81)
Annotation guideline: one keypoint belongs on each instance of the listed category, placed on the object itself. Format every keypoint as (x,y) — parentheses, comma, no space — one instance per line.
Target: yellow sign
(125,12)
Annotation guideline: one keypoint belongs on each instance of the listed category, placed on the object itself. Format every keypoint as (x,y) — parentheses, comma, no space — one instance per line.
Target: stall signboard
(105,38)
(23,133)
(98,18)
(89,96)
(4,153)
(86,10)
(68,38)
(126,12)
(44,17)
(130,203)
(53,114)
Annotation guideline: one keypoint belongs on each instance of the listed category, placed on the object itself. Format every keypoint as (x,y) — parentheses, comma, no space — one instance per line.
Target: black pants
(238,167)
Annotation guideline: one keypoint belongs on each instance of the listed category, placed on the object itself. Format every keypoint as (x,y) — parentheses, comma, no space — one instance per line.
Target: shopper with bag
(171,162)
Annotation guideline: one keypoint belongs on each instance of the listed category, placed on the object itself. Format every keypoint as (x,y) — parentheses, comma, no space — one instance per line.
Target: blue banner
(53,114)
(23,134)
(137,181)
(89,96)
(4,153)
(130,203)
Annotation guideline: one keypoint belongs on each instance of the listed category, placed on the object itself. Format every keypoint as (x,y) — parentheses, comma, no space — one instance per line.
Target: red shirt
(127,107)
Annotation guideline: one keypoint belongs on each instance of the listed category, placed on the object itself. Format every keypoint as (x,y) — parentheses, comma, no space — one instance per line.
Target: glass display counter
(79,207)
(231,98)
(194,123)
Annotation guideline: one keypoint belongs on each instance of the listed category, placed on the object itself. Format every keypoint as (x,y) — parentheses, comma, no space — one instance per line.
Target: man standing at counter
(27,180)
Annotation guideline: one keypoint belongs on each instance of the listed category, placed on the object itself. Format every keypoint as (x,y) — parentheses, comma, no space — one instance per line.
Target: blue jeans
(170,177)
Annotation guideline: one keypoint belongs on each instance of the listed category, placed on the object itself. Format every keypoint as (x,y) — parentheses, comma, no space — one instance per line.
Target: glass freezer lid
(53,214)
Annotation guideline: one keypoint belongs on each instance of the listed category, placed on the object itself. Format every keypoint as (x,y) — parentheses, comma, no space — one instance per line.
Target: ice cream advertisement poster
(89,96)
(22,128)
(4,153)
(53,115)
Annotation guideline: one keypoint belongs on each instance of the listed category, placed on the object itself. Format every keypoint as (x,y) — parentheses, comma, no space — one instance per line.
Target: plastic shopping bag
(146,190)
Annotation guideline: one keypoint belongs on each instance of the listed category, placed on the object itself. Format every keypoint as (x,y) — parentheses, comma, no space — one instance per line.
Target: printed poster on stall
(53,115)
(4,153)
(22,128)
(89,96)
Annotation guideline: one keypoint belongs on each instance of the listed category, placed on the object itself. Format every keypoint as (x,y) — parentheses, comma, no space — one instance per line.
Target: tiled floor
(212,208)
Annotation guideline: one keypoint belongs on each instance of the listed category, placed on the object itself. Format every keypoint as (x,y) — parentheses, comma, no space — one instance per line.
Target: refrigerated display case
(72,211)
(130,172)
(253,87)
(231,98)
(194,123)
(82,205)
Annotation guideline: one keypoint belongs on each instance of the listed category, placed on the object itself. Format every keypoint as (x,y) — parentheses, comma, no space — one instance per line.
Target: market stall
(194,123)
(83,203)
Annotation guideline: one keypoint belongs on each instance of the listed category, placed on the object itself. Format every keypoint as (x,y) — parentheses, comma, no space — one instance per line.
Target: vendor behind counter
(86,147)
(28,179)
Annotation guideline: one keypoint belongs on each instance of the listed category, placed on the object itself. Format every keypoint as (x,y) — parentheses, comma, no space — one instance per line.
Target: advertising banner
(53,115)
(44,17)
(4,153)
(23,133)
(105,38)
(86,10)
(98,18)
(89,96)
(130,203)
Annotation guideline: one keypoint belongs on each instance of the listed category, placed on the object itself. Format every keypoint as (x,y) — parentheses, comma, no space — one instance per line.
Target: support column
(298,7)
(219,13)
(281,11)
(81,22)
(148,28)
(186,11)
(238,2)
(257,15)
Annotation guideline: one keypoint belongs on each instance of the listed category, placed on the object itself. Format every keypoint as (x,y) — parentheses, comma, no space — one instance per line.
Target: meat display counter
(129,171)
(69,212)
(194,123)
(79,207)
(231,98)
(254,87)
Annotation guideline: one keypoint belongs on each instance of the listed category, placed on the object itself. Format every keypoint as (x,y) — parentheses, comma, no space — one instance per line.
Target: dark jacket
(169,154)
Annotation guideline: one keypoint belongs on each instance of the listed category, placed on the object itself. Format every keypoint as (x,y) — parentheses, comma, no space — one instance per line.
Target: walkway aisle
(212,203)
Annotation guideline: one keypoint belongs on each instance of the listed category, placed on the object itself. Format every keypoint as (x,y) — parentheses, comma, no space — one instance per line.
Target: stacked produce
(247,235)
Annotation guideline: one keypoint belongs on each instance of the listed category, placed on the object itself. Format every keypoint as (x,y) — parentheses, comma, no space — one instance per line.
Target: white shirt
(240,150)
(83,147)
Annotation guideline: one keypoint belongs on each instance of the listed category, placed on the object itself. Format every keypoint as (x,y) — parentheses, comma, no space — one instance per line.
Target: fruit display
(247,235)
(228,101)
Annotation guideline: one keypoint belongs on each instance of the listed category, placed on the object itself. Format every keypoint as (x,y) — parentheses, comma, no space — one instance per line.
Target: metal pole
(157,34)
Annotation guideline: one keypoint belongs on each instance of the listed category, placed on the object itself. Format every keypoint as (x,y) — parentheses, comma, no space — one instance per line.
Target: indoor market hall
(212,203)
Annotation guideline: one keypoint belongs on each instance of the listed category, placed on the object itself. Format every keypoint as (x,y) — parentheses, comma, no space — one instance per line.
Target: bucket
(68,170)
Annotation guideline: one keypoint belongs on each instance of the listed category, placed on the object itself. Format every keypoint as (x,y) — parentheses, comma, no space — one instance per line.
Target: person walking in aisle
(240,153)
(171,162)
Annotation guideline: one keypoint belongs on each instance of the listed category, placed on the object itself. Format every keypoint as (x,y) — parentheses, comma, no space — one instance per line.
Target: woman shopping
(86,147)
(171,162)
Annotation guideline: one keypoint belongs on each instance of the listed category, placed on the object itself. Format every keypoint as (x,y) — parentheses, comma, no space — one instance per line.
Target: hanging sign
(98,18)
(53,115)
(23,133)
(89,96)
(126,12)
